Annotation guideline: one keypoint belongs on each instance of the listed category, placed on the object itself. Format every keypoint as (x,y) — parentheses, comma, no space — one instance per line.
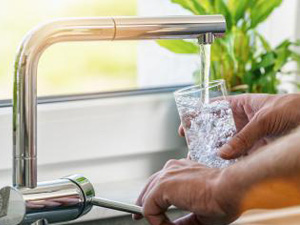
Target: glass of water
(207,120)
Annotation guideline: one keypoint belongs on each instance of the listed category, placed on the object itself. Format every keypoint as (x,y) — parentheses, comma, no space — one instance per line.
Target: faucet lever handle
(89,193)
(120,206)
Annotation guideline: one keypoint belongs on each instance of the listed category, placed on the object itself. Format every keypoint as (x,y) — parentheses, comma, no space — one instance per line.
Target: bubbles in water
(207,128)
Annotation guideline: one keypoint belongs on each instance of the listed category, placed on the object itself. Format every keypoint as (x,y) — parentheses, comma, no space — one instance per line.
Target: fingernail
(226,151)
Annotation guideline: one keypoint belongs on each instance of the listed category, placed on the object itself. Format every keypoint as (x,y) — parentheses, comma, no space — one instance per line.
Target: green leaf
(191,5)
(238,9)
(208,5)
(267,82)
(264,42)
(241,7)
(228,44)
(179,46)
(282,58)
(285,44)
(222,8)
(242,48)
(261,10)
(295,56)
(248,80)
(282,54)
(297,43)
(266,61)
(199,8)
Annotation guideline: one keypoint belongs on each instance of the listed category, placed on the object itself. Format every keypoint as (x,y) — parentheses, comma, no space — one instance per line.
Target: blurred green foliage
(244,57)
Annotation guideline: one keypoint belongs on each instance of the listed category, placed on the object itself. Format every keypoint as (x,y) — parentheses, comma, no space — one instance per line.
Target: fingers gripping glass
(207,120)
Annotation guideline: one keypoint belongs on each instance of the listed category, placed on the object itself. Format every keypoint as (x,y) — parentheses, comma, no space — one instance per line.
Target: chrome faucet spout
(83,29)
(204,28)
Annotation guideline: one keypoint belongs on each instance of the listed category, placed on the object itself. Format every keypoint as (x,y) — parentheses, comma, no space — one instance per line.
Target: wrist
(259,183)
(248,181)
(230,188)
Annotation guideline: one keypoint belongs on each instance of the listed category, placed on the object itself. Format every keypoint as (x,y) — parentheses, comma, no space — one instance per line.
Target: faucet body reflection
(69,198)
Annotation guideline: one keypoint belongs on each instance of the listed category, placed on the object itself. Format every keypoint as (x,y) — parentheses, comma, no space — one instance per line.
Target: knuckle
(183,160)
(153,176)
(163,180)
(170,163)
(242,142)
(161,185)
(163,177)
(262,120)
(145,199)
(167,174)
(260,117)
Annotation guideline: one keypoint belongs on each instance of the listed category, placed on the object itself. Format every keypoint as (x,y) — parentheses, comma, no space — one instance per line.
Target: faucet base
(54,201)
(59,200)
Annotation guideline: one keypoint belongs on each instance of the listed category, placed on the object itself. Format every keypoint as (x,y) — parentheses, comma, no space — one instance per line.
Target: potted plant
(244,57)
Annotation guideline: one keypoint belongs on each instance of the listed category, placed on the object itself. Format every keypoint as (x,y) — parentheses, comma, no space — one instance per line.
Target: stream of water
(205,51)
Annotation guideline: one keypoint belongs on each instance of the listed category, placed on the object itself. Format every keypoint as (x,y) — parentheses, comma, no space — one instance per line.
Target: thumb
(243,141)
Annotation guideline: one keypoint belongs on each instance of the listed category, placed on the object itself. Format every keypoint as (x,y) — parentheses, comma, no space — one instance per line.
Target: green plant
(244,58)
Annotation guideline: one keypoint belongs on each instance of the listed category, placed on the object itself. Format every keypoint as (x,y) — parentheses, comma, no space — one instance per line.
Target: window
(68,68)
(85,67)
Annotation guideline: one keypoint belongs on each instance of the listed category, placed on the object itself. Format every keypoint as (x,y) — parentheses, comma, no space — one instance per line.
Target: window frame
(99,95)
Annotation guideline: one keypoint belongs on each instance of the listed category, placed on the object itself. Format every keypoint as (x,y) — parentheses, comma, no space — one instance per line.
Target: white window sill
(107,140)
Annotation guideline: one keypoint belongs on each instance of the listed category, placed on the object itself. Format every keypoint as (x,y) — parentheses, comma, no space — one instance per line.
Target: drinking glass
(207,120)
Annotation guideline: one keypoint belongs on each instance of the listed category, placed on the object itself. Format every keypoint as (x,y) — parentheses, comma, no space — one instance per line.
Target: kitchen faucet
(68,198)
